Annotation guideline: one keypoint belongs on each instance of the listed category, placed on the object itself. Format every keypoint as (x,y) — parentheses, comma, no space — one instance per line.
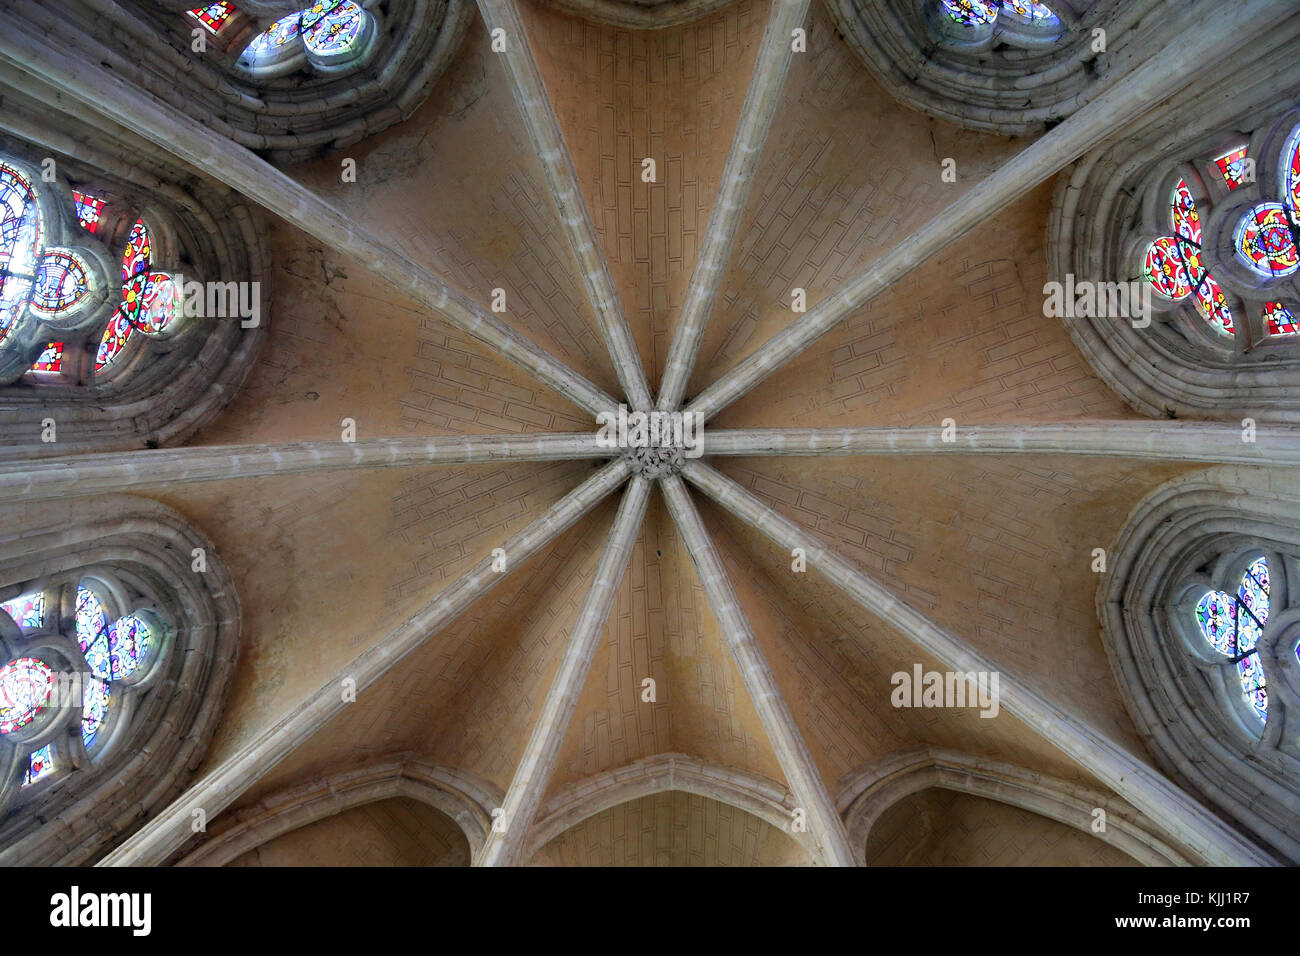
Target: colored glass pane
(1233,626)
(213,16)
(1264,241)
(1232,167)
(89,210)
(1291,170)
(128,643)
(159,304)
(971,12)
(61,282)
(321,8)
(41,764)
(50,360)
(27,610)
(20,234)
(139,252)
(90,619)
(1213,304)
(94,709)
(25,685)
(1029,9)
(115,337)
(1186,219)
(274,37)
(335,31)
(1164,268)
(1278,319)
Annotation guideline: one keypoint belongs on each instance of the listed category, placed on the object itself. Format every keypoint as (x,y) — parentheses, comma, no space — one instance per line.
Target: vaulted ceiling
(989,546)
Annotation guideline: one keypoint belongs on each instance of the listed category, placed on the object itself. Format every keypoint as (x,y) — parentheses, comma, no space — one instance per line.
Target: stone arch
(1105,213)
(639,14)
(465,799)
(287,118)
(1177,538)
(162,387)
(147,547)
(758,796)
(868,793)
(1015,79)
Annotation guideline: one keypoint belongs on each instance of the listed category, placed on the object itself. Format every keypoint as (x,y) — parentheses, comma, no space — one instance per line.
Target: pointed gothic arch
(288,102)
(134,623)
(1162,209)
(1191,672)
(121,360)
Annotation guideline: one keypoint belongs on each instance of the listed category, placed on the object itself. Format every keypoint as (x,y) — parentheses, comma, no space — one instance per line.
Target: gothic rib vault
(478,688)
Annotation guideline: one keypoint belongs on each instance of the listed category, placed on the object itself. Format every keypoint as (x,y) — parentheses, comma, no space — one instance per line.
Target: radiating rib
(99,90)
(801,773)
(544,131)
(1148,790)
(121,471)
(217,789)
(761,101)
(1151,440)
(538,761)
(1158,78)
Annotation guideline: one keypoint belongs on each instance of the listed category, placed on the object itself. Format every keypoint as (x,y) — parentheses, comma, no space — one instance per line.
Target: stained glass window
(1264,242)
(1233,625)
(27,610)
(94,709)
(89,209)
(1291,170)
(41,764)
(214,16)
(20,234)
(1029,9)
(1232,167)
(335,31)
(139,251)
(50,360)
(1279,320)
(115,337)
(274,37)
(160,303)
(61,282)
(25,685)
(92,632)
(1175,265)
(128,642)
(971,12)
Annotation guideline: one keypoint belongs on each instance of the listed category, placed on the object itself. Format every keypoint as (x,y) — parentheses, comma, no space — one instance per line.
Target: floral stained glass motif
(61,283)
(95,698)
(139,252)
(40,764)
(971,13)
(1232,167)
(334,29)
(214,16)
(1233,626)
(27,610)
(1029,9)
(89,209)
(116,334)
(1175,267)
(25,685)
(1278,319)
(1264,241)
(50,360)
